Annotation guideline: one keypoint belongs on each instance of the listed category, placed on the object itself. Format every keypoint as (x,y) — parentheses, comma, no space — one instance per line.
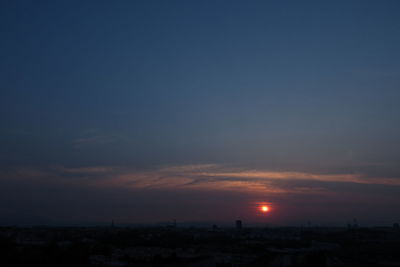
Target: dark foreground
(169,246)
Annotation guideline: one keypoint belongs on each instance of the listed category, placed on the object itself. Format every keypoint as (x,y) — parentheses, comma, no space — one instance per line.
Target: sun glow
(264,208)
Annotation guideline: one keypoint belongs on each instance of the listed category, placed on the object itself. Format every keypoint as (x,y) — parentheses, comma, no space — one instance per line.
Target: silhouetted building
(238,224)
(355,223)
(396,226)
(172,224)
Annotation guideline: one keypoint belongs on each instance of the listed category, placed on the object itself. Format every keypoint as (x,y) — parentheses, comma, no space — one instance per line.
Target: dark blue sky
(310,87)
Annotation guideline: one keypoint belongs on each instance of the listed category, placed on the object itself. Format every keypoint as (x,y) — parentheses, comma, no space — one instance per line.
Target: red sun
(264,208)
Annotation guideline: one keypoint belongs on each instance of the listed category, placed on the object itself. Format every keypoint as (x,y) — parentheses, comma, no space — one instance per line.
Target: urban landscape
(171,245)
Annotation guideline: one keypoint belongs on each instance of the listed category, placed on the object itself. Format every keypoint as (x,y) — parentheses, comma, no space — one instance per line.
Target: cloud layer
(197,177)
(195,192)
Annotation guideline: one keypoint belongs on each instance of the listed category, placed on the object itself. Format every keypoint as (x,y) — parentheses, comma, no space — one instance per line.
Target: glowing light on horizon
(264,208)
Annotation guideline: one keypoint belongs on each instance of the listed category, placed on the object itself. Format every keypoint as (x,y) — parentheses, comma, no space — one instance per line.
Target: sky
(200,111)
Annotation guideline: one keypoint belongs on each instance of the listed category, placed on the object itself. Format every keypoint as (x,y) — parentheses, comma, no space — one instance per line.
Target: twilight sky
(148,111)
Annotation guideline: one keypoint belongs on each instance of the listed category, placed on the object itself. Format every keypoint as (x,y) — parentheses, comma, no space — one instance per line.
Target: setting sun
(264,208)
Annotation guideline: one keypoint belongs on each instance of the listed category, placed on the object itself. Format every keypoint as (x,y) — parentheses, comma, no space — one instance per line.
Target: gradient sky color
(148,111)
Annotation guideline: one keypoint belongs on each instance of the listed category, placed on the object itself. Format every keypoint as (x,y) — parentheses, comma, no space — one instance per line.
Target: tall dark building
(355,224)
(238,224)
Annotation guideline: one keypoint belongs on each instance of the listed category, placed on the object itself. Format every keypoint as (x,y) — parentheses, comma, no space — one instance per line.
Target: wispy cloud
(93,140)
(198,177)
(95,137)
(285,175)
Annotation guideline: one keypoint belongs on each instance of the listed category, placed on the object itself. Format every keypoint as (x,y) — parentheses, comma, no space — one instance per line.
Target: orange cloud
(196,177)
